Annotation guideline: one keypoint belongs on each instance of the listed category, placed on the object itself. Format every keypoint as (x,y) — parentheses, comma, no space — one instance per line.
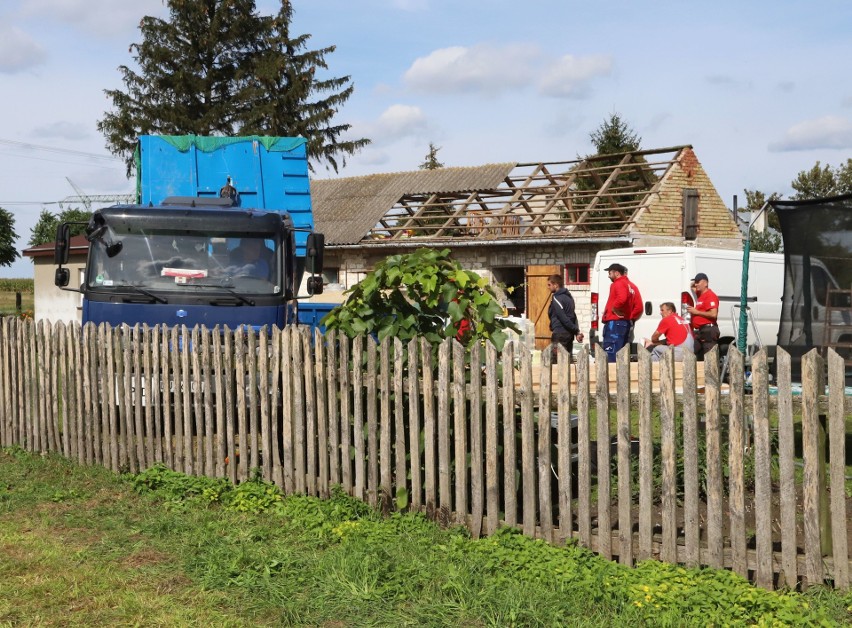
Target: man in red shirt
(676,332)
(623,308)
(704,316)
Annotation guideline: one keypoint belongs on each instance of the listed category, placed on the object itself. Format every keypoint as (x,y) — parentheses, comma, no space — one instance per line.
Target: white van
(664,273)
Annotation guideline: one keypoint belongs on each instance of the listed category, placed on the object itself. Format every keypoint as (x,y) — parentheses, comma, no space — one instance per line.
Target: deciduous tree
(8,252)
(44,230)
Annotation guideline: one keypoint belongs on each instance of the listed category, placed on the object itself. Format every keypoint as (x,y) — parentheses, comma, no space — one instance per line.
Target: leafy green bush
(425,293)
(380,563)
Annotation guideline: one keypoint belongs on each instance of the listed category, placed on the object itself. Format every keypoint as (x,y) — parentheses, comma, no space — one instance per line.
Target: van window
(821,284)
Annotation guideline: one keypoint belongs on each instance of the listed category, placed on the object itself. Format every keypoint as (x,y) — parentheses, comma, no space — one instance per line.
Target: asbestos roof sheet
(346,209)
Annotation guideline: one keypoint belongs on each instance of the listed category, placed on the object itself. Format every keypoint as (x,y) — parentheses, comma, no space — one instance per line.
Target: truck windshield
(169,261)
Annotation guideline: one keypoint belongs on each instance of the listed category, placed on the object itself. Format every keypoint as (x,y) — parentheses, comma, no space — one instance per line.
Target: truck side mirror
(314,285)
(63,245)
(61,277)
(314,253)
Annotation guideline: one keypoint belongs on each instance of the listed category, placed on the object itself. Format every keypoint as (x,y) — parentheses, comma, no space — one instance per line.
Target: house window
(690,213)
(577,274)
(331,275)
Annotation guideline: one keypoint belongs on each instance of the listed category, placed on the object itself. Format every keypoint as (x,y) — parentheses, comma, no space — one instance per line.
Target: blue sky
(761,89)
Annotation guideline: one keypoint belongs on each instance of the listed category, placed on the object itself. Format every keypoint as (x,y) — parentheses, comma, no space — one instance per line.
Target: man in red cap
(623,308)
(704,315)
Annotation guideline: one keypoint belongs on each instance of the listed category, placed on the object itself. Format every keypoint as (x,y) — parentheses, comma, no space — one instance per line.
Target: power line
(54,149)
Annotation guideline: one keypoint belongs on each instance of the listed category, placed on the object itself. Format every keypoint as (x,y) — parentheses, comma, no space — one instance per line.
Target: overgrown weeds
(159,547)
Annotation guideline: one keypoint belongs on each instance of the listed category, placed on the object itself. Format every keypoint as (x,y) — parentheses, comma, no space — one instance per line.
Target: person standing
(674,330)
(623,308)
(704,315)
(563,319)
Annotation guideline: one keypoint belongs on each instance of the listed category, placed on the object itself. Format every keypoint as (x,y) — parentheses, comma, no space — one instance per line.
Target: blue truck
(221,234)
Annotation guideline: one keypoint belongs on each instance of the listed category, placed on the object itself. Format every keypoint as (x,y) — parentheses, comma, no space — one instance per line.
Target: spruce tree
(218,67)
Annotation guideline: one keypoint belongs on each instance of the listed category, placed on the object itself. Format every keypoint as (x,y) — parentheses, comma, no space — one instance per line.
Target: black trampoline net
(817,302)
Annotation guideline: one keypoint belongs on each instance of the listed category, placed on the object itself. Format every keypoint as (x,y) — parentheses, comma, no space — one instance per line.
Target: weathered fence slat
(414,426)
(185,387)
(252,419)
(385,439)
(345,414)
(492,469)
(837,453)
(167,379)
(625,497)
(430,471)
(736,455)
(604,541)
(584,462)
(241,409)
(322,412)
(477,471)
(358,416)
(445,497)
(299,436)
(150,396)
(510,457)
(230,395)
(372,424)
(668,448)
(197,402)
(209,422)
(277,419)
(691,524)
(646,458)
(288,401)
(263,376)
(157,391)
(544,465)
(787,469)
(812,487)
(333,361)
(460,432)
(310,410)
(528,467)
(399,452)
(565,444)
(762,478)
(713,439)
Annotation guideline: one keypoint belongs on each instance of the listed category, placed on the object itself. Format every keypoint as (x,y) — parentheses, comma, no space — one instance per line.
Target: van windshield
(172,261)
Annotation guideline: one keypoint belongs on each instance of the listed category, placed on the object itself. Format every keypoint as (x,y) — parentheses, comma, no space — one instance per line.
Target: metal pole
(742,332)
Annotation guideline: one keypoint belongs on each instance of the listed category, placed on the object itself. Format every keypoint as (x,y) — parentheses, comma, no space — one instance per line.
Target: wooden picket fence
(463,435)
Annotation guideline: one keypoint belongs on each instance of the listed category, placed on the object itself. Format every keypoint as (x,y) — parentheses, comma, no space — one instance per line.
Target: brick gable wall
(664,216)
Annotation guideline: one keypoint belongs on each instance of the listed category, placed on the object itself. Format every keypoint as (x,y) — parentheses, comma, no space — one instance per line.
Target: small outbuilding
(518,223)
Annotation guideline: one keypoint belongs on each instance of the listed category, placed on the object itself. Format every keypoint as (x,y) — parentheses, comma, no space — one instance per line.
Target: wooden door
(538,300)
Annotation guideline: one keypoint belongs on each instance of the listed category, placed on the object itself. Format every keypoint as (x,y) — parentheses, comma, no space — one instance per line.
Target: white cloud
(396,122)
(18,51)
(63,130)
(570,76)
(104,18)
(482,67)
(826,132)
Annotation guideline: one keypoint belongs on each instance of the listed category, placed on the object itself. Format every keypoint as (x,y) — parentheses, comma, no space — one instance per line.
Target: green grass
(82,547)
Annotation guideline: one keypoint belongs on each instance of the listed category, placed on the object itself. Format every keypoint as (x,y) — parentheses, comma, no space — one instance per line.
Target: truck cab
(231,250)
